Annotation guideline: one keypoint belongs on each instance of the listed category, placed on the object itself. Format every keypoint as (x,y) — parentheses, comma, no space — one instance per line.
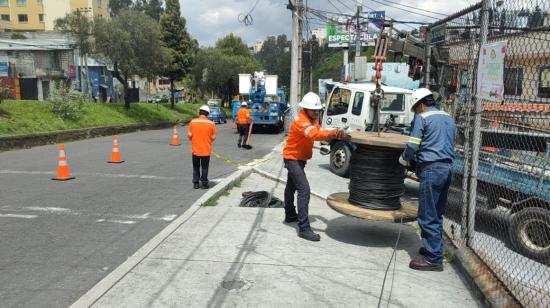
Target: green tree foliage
(153,8)
(182,47)
(217,68)
(81,28)
(115,6)
(132,41)
(275,58)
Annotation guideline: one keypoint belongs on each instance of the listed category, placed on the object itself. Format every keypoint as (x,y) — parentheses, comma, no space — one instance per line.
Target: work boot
(309,235)
(205,185)
(291,218)
(423,265)
(196,185)
(238,145)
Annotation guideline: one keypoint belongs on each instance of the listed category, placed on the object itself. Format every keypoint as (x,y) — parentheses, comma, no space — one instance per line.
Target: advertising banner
(341,30)
(490,71)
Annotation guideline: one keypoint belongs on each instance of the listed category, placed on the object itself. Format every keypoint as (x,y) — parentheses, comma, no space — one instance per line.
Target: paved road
(60,238)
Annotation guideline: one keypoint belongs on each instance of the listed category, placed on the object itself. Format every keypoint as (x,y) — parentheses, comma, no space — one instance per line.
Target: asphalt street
(58,239)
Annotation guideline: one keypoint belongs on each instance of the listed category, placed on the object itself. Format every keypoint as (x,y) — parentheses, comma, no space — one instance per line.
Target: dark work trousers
(243,133)
(435,179)
(200,169)
(297,181)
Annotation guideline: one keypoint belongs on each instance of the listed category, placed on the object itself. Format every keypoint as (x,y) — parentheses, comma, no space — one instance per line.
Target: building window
(99,3)
(23,18)
(5,17)
(544,82)
(39,2)
(41,17)
(513,81)
(21,3)
(4,3)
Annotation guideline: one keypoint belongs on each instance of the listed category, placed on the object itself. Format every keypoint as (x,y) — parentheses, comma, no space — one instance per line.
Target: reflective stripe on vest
(431,113)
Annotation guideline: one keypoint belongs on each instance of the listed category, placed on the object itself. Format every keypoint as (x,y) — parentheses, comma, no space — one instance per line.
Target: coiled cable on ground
(260,199)
(376,178)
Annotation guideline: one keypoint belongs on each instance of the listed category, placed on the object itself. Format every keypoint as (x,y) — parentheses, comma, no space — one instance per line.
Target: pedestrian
(431,146)
(243,124)
(298,149)
(202,133)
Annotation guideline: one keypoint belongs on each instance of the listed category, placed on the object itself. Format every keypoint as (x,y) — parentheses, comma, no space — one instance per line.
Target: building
(320,35)
(40,15)
(257,47)
(31,67)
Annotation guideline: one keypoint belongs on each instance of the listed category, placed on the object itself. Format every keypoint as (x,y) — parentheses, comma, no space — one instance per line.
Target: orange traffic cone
(63,172)
(235,126)
(115,154)
(175,138)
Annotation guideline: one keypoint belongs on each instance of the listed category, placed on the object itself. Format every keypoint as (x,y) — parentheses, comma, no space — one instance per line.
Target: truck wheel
(340,156)
(530,233)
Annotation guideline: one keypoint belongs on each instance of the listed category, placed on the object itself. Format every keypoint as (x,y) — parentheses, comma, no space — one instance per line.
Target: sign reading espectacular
(341,31)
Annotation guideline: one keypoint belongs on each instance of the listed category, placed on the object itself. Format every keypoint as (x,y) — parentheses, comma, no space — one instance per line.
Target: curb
(109,281)
(31,140)
(479,277)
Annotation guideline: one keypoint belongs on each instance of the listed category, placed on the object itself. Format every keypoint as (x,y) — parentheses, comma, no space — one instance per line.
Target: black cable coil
(260,199)
(377,180)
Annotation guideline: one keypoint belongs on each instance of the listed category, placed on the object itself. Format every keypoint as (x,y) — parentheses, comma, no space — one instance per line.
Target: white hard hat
(244,104)
(205,108)
(311,101)
(418,95)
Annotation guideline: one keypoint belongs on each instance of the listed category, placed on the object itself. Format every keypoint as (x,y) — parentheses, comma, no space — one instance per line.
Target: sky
(209,20)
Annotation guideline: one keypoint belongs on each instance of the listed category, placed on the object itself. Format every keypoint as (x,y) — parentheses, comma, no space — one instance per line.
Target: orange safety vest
(243,116)
(303,132)
(202,132)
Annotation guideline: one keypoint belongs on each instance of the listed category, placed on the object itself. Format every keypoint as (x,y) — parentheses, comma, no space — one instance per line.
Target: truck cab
(350,106)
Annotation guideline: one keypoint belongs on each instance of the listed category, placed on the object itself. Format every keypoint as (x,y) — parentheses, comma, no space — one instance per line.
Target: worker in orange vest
(298,149)
(243,124)
(202,133)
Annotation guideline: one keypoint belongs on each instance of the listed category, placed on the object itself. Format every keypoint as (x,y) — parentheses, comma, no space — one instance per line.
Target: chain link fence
(499,202)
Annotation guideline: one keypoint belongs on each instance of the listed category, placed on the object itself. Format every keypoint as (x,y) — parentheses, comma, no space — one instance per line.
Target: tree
(217,68)
(153,8)
(115,6)
(182,47)
(132,41)
(275,58)
(81,27)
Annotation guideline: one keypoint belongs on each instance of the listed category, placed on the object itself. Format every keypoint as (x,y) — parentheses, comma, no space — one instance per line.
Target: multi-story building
(39,15)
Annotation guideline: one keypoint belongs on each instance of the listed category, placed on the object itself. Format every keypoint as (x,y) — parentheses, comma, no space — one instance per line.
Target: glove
(340,134)
(404,163)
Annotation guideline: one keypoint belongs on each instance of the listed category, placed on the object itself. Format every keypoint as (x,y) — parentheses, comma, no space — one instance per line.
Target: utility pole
(358,30)
(311,66)
(295,66)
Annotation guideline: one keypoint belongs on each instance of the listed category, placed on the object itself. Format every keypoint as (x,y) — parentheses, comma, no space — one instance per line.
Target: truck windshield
(393,102)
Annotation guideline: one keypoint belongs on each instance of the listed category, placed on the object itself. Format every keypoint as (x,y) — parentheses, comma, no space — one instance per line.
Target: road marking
(116,221)
(49,209)
(18,216)
(169,217)
(108,175)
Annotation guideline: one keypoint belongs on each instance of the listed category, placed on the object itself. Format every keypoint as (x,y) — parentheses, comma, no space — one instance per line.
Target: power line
(329,1)
(415,8)
(247,18)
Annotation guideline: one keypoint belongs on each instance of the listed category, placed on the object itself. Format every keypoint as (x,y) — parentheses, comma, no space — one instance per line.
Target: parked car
(217,115)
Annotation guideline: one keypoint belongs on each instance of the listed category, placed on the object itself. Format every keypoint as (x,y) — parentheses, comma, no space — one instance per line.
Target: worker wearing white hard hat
(304,130)
(202,133)
(431,147)
(243,120)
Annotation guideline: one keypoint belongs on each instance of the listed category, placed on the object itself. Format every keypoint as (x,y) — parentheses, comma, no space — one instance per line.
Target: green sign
(437,34)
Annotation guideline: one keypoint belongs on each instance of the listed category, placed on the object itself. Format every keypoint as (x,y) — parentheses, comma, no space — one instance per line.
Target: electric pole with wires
(297,9)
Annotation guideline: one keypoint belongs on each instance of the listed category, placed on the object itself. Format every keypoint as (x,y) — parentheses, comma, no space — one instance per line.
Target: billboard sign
(437,34)
(394,74)
(4,69)
(341,30)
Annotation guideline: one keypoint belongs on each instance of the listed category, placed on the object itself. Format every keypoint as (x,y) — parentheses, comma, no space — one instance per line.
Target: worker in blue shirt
(431,147)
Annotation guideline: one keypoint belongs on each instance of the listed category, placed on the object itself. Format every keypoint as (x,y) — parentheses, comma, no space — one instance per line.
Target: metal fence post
(476,143)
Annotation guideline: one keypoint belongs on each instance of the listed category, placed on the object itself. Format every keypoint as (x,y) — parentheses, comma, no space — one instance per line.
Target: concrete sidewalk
(227,256)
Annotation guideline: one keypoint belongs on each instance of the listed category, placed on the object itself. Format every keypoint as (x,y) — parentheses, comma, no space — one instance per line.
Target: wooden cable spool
(340,202)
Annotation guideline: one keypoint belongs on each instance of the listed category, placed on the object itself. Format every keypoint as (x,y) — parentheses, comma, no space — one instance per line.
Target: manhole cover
(236,284)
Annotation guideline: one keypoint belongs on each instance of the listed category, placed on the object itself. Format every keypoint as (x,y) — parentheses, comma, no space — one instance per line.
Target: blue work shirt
(432,137)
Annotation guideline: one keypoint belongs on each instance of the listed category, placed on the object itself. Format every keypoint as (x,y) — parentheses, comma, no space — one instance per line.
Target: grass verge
(28,117)
(214,201)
